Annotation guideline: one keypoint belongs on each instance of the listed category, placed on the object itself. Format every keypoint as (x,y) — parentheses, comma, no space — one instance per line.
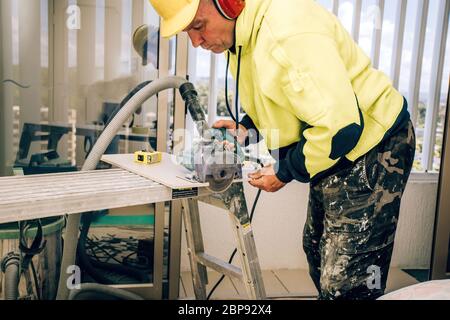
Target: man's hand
(231,127)
(265,179)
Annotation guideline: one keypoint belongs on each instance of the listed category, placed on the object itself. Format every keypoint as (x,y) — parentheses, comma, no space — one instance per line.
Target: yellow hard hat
(175,15)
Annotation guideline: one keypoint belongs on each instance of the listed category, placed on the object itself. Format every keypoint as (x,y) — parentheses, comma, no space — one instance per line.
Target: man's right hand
(230,125)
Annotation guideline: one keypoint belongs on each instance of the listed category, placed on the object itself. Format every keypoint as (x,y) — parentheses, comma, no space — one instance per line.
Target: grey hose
(11,268)
(73,221)
(103,290)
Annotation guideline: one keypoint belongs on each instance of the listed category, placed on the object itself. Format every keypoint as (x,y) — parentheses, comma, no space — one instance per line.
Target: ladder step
(219,265)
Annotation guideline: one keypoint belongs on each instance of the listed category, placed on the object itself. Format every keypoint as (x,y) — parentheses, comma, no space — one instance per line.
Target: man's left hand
(266,180)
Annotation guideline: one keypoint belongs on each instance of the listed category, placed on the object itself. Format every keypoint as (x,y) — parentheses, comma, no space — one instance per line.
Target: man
(341,126)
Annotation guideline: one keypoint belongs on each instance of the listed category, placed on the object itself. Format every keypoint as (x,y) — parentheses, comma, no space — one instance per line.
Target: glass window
(387,38)
(345,14)
(62,83)
(327,4)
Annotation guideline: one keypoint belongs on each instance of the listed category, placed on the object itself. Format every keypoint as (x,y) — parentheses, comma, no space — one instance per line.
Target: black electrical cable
(235,250)
(237,100)
(93,252)
(234,117)
(28,252)
(227,103)
(93,267)
(107,254)
(36,282)
(143,266)
(84,260)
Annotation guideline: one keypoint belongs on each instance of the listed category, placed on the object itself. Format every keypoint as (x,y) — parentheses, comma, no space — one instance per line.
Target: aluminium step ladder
(234,201)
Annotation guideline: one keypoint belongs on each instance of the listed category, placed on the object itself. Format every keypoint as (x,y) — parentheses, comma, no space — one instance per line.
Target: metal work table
(40,196)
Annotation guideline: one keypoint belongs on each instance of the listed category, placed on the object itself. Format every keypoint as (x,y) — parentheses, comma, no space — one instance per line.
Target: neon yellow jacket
(301,79)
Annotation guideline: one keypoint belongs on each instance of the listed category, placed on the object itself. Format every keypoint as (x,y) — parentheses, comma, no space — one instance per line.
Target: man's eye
(198,27)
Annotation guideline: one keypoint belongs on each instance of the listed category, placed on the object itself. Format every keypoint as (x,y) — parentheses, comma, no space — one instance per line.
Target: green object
(124,220)
(49,226)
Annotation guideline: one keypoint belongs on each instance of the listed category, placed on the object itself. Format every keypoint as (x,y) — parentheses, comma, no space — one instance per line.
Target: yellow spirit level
(147,157)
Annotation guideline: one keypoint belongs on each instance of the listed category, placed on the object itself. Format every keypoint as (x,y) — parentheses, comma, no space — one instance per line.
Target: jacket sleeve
(317,86)
(253,133)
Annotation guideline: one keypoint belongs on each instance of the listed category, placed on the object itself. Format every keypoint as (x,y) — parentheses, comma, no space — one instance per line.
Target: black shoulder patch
(345,140)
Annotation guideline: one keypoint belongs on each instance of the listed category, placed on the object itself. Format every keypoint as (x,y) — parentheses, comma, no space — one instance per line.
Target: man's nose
(196,38)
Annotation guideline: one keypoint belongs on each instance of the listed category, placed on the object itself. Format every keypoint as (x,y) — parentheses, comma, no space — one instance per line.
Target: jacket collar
(249,23)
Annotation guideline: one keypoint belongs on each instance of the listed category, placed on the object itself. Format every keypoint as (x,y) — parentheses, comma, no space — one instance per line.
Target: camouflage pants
(352,218)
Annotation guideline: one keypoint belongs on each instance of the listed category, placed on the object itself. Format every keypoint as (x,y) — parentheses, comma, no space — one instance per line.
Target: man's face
(210,30)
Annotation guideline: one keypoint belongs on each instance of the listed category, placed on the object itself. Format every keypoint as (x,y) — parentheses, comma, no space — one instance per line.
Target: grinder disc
(219,185)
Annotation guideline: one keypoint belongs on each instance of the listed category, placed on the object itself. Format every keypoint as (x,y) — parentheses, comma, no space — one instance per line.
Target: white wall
(415,228)
(279,221)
